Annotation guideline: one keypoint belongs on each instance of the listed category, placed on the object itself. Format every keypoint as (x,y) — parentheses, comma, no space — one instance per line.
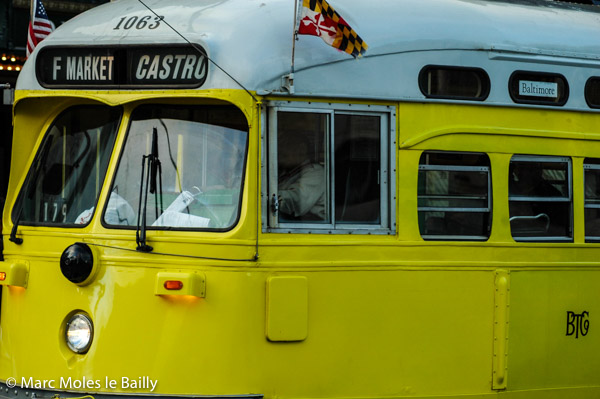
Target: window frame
(546,159)
(387,118)
(459,168)
(17,206)
(177,103)
(586,205)
(481,74)
(587,89)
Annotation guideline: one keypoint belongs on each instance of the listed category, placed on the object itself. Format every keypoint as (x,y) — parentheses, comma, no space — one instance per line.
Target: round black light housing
(77,263)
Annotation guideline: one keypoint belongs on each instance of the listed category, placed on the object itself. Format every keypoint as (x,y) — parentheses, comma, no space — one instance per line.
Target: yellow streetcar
(203,205)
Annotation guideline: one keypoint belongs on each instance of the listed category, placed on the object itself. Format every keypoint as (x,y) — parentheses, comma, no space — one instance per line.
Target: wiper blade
(140,234)
(13,233)
(156,173)
(151,163)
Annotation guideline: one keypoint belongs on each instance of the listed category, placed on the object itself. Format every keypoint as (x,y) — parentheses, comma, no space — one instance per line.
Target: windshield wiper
(13,233)
(152,164)
(156,172)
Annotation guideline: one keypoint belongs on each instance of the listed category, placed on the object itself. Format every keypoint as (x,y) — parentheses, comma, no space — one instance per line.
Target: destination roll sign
(122,67)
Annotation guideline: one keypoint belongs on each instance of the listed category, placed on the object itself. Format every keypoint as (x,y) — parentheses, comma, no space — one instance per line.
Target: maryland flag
(318,18)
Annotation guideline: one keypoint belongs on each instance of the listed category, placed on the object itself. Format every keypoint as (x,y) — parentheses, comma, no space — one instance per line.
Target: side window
(591,169)
(328,170)
(458,83)
(540,198)
(454,196)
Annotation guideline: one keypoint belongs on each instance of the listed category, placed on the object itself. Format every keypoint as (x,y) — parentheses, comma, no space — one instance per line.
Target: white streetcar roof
(252,41)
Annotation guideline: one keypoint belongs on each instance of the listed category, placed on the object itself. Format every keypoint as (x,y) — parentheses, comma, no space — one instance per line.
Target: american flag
(39,27)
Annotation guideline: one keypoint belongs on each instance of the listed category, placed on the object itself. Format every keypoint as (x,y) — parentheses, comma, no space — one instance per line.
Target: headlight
(79,333)
(77,264)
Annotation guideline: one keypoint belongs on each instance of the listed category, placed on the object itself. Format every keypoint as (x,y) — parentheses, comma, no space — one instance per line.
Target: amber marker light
(173,285)
(2,276)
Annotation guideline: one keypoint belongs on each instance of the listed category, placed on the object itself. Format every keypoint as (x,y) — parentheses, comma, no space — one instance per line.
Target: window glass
(67,174)
(357,169)
(302,172)
(592,92)
(592,199)
(329,169)
(454,82)
(454,196)
(540,198)
(197,180)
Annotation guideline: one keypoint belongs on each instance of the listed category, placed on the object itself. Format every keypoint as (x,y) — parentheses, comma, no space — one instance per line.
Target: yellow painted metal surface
(554,342)
(374,316)
(287,308)
(426,327)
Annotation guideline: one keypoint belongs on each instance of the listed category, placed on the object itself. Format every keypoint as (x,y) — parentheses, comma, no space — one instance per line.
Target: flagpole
(29,29)
(288,80)
(294,34)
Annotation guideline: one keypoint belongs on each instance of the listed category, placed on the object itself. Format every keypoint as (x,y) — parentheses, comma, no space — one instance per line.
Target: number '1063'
(147,21)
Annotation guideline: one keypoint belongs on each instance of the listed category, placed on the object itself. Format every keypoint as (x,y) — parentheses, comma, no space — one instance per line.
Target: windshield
(66,177)
(195,177)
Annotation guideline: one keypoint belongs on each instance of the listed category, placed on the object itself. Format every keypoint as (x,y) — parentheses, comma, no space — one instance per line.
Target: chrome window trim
(433,237)
(539,199)
(457,168)
(568,199)
(589,203)
(388,149)
(544,239)
(452,209)
(546,159)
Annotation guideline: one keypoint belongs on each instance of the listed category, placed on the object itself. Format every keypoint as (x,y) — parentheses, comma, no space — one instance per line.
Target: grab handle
(533,218)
